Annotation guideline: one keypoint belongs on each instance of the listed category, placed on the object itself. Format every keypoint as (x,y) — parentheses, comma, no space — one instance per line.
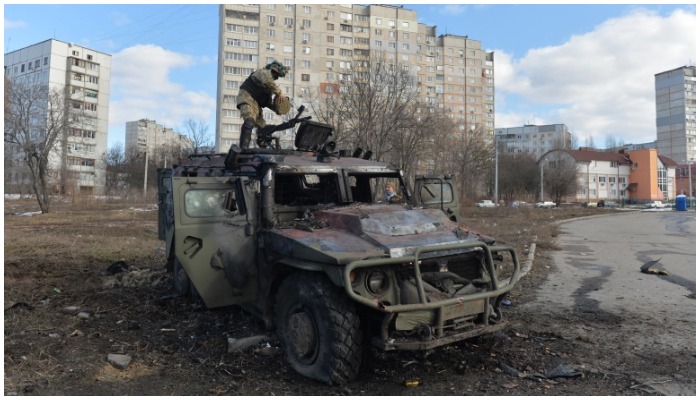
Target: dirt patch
(65,313)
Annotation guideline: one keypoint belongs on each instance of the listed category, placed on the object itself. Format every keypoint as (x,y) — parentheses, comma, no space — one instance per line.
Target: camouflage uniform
(256,93)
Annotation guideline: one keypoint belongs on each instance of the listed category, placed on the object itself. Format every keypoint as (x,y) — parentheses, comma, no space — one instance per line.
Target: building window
(379,21)
(228,113)
(330,27)
(305,64)
(330,39)
(305,77)
(329,51)
(307,10)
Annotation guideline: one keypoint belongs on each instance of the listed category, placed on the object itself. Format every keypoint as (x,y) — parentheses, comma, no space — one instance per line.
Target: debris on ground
(646,268)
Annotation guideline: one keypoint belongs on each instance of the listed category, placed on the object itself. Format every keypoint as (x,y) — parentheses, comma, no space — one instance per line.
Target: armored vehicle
(304,239)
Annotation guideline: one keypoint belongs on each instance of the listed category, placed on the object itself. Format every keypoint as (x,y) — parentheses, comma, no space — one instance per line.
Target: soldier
(256,92)
(390,195)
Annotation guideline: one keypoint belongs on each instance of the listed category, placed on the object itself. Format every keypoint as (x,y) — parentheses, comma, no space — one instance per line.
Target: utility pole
(542,180)
(495,190)
(145,169)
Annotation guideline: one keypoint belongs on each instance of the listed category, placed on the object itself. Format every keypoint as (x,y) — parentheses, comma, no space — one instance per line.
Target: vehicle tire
(181,282)
(318,329)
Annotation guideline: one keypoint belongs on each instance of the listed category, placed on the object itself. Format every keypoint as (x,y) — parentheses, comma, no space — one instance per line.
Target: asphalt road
(597,272)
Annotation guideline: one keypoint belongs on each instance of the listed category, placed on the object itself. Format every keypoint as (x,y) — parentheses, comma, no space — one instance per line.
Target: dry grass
(55,261)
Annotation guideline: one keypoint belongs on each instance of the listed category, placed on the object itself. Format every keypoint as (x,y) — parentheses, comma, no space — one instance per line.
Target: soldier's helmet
(277,69)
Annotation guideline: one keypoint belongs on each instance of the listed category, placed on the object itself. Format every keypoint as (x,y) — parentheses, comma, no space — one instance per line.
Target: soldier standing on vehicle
(256,93)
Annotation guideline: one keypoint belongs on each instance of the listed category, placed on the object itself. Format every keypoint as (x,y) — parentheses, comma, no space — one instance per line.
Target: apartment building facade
(76,164)
(534,140)
(319,43)
(149,136)
(676,114)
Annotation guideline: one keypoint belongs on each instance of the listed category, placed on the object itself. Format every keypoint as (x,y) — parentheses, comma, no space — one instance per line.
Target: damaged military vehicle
(304,239)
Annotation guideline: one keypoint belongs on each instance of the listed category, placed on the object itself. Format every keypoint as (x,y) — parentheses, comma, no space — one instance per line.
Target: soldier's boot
(246,133)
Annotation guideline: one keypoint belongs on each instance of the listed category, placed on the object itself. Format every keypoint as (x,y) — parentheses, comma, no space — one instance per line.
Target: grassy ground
(63,316)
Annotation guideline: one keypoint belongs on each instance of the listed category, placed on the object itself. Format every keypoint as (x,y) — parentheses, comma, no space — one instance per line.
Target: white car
(655,204)
(486,204)
(545,204)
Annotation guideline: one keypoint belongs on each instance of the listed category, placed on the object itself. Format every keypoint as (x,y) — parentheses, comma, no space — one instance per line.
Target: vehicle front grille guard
(496,288)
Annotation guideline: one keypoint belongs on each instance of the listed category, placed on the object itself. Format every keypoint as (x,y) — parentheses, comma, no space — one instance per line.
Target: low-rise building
(625,177)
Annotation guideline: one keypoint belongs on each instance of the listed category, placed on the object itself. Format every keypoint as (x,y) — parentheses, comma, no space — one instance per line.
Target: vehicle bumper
(434,315)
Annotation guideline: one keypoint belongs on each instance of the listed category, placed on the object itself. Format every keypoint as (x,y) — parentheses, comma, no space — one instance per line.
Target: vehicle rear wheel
(319,329)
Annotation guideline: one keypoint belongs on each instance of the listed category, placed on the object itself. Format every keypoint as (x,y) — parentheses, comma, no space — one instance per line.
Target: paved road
(598,274)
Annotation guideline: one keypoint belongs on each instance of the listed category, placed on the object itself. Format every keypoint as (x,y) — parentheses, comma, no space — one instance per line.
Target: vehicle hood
(341,235)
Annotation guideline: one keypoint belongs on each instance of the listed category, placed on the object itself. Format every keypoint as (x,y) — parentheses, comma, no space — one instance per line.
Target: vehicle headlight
(377,282)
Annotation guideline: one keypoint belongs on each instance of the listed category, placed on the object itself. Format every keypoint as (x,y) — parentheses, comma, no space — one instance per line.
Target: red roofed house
(635,176)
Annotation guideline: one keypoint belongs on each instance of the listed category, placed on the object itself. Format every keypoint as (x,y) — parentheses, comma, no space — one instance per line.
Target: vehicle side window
(208,202)
(431,193)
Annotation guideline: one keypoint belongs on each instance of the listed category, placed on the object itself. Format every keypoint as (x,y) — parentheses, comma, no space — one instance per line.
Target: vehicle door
(214,239)
(438,191)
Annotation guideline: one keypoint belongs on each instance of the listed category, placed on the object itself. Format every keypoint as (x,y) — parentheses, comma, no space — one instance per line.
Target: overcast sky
(590,67)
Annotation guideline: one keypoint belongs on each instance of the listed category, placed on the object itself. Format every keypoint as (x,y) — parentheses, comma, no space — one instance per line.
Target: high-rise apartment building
(534,140)
(320,41)
(147,135)
(76,162)
(675,114)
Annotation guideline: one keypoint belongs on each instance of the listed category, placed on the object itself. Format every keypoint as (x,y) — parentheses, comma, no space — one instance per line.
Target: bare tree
(518,174)
(469,156)
(115,170)
(414,147)
(560,174)
(613,143)
(370,105)
(198,133)
(589,142)
(36,121)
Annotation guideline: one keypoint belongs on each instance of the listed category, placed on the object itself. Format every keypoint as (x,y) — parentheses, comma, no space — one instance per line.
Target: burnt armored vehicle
(304,240)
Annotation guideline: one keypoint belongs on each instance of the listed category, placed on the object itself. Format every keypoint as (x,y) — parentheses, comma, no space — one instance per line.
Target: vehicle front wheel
(319,329)
(182,284)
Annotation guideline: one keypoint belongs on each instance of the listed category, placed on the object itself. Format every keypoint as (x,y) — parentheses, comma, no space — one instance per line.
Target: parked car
(607,203)
(486,204)
(545,204)
(518,203)
(655,204)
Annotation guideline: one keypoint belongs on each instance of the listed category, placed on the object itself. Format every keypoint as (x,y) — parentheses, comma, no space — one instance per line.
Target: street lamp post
(542,180)
(496,173)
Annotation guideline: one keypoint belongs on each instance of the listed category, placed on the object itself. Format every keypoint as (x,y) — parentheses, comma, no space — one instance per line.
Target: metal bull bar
(497,289)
